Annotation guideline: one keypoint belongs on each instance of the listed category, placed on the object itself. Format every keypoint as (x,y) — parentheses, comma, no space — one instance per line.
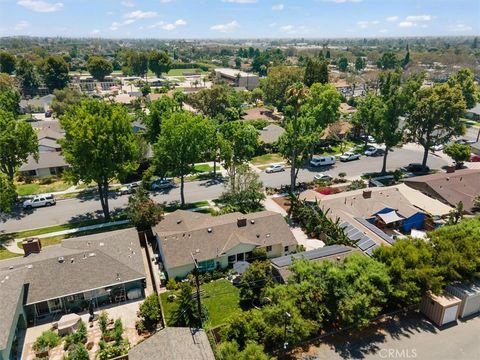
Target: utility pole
(196,273)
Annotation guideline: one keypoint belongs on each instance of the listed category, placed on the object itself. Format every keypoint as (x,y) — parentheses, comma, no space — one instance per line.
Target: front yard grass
(203,168)
(267,159)
(221,298)
(36,188)
(5,254)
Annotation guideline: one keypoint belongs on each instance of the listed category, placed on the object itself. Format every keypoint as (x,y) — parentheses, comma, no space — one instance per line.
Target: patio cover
(240,266)
(390,217)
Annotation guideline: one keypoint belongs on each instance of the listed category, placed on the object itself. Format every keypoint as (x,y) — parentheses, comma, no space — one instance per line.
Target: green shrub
(171,284)
(80,335)
(149,311)
(47,340)
(103,322)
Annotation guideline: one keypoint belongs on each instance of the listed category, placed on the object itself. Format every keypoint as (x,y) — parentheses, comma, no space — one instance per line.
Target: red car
(475,158)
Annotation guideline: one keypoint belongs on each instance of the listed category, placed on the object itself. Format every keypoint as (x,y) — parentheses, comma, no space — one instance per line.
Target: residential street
(81,209)
(410,338)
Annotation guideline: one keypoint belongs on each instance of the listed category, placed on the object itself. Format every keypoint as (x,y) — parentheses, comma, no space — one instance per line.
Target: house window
(248,255)
(285,249)
(240,257)
(231,259)
(269,248)
(206,265)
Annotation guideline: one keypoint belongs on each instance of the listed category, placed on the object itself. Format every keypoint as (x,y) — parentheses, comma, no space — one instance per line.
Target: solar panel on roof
(367,244)
(376,230)
(310,255)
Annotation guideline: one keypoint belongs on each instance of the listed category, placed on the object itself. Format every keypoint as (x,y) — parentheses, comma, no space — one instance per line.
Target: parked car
(162,184)
(275,168)
(322,177)
(475,158)
(438,147)
(371,139)
(371,151)
(128,188)
(349,156)
(39,201)
(48,113)
(322,161)
(416,168)
(465,141)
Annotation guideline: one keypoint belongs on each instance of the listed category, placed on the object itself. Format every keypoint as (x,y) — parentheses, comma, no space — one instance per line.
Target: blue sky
(239,18)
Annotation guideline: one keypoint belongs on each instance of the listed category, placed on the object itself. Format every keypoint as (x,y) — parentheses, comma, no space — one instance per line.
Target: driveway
(411,337)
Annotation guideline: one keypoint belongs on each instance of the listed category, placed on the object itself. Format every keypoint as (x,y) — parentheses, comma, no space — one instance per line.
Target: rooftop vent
(72,260)
(209,230)
(179,221)
(367,194)
(101,244)
(91,254)
(252,221)
(61,259)
(241,222)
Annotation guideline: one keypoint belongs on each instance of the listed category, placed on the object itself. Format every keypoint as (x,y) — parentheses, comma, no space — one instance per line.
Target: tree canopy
(54,72)
(7,62)
(159,62)
(142,211)
(465,80)
(278,80)
(316,71)
(99,67)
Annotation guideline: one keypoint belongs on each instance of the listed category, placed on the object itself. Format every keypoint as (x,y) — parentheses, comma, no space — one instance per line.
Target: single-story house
(376,216)
(450,188)
(261,113)
(347,109)
(36,105)
(281,265)
(271,133)
(473,113)
(174,343)
(49,163)
(219,241)
(337,130)
(45,145)
(100,269)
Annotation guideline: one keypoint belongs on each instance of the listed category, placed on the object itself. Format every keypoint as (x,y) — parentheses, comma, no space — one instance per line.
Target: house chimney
(367,194)
(31,246)
(241,222)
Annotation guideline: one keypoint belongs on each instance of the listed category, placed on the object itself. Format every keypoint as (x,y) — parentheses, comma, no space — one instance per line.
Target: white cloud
(180,22)
(383,31)
(406,24)
(392,18)
(286,27)
(166,1)
(95,32)
(343,1)
(138,14)
(240,1)
(40,6)
(459,28)
(365,24)
(128,3)
(230,26)
(294,30)
(115,25)
(278,7)
(21,25)
(168,26)
(417,18)
(128,22)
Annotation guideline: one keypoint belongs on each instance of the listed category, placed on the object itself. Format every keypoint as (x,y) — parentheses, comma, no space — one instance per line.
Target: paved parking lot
(413,337)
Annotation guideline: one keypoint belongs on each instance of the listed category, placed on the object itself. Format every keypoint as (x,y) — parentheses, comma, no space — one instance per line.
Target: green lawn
(195,205)
(5,254)
(267,159)
(179,72)
(36,188)
(201,168)
(221,299)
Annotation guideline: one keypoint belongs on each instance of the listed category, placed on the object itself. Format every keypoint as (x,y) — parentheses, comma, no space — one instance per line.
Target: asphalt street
(75,209)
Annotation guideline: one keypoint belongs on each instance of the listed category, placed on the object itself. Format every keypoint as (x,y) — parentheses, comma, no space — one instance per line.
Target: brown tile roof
(342,128)
(461,185)
(260,113)
(183,232)
(345,108)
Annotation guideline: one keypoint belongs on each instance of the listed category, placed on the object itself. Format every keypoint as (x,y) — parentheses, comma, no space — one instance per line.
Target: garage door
(472,305)
(450,314)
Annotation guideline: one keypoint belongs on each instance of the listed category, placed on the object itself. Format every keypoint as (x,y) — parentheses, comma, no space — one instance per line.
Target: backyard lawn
(221,299)
(179,72)
(267,159)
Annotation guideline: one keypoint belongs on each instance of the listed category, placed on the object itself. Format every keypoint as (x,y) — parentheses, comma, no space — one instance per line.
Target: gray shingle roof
(183,232)
(48,159)
(174,344)
(271,133)
(11,285)
(99,260)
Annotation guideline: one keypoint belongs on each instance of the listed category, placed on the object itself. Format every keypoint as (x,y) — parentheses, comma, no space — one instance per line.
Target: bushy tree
(370,112)
(142,211)
(343,64)
(54,71)
(229,350)
(257,277)
(316,71)
(79,353)
(138,63)
(388,61)
(465,80)
(65,98)
(187,312)
(158,111)
(278,80)
(7,63)
(27,75)
(359,63)
(99,67)
(220,102)
(7,194)
(149,311)
(18,140)
(10,100)
(159,62)
(99,145)
(459,153)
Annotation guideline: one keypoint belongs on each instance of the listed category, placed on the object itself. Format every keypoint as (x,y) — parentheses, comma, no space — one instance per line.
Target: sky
(190,19)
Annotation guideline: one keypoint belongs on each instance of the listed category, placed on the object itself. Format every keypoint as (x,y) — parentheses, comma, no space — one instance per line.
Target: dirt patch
(283,202)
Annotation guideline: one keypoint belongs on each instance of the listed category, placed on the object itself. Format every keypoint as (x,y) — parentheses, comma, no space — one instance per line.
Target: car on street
(128,188)
(162,184)
(371,139)
(465,141)
(475,158)
(349,156)
(275,168)
(371,151)
(438,147)
(322,161)
(39,201)
(322,177)
(416,168)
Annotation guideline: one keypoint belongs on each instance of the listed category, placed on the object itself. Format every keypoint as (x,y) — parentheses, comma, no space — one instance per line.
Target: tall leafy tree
(219,102)
(7,63)
(27,74)
(159,62)
(316,71)
(388,61)
(10,100)
(278,80)
(99,67)
(142,211)
(343,64)
(436,117)
(7,194)
(359,63)
(65,98)
(181,143)
(465,80)
(159,110)
(459,153)
(54,71)
(18,140)
(99,145)
(138,63)
(370,112)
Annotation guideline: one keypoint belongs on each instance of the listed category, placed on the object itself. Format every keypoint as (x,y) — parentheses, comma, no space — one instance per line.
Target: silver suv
(39,201)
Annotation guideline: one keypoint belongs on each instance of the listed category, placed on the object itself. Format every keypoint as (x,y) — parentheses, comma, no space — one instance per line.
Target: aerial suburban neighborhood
(239,180)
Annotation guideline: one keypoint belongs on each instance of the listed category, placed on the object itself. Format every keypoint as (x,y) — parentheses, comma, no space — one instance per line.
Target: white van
(322,161)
